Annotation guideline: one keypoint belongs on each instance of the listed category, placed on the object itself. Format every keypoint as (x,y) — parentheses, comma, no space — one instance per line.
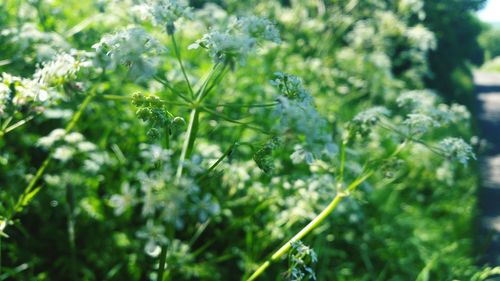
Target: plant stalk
(309,227)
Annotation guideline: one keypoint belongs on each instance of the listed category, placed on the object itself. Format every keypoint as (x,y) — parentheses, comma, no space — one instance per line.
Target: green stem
(175,92)
(163,258)
(217,79)
(226,153)
(188,141)
(16,125)
(309,227)
(179,59)
(31,185)
(239,105)
(340,178)
(215,113)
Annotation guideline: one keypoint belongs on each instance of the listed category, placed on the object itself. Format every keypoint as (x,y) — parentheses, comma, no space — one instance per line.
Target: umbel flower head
(364,121)
(164,12)
(458,149)
(54,72)
(299,115)
(241,39)
(132,47)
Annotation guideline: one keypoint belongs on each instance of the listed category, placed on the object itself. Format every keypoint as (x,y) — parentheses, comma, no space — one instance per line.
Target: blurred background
(106,201)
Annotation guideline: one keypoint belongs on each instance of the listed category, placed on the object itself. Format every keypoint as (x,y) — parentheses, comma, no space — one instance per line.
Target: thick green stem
(161,268)
(188,142)
(310,227)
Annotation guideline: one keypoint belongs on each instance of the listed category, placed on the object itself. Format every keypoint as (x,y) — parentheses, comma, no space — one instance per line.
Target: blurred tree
(457,31)
(490,41)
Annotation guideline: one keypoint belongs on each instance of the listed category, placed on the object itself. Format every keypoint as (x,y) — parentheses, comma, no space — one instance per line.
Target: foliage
(492,65)
(457,47)
(490,41)
(163,141)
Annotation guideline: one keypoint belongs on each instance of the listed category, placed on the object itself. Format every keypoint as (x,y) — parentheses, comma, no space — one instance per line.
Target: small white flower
(74,137)
(164,12)
(417,99)
(419,123)
(458,149)
(62,67)
(239,40)
(371,116)
(85,146)
(422,38)
(121,202)
(259,27)
(63,153)
(54,136)
(132,47)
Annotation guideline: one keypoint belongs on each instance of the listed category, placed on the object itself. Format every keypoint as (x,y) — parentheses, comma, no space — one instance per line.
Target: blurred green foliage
(413,220)
(457,32)
(490,41)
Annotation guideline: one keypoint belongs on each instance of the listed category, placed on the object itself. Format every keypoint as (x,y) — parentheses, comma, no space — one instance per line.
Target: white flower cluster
(304,199)
(45,44)
(413,7)
(241,39)
(299,115)
(371,116)
(164,12)
(426,113)
(54,72)
(458,149)
(126,199)
(155,235)
(132,47)
(259,28)
(417,99)
(66,145)
(419,123)
(20,91)
(422,38)
(40,89)
(364,121)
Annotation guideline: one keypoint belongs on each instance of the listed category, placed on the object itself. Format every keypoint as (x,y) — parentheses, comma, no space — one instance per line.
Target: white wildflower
(422,38)
(4,96)
(299,115)
(225,46)
(300,155)
(371,116)
(85,146)
(164,12)
(74,137)
(419,123)
(155,153)
(417,99)
(458,149)
(134,48)
(259,27)
(239,40)
(155,233)
(121,202)
(63,153)
(290,86)
(49,140)
(27,90)
(451,114)
(62,67)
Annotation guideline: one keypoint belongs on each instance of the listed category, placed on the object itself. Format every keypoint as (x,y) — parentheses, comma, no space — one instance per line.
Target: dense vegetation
(490,42)
(237,140)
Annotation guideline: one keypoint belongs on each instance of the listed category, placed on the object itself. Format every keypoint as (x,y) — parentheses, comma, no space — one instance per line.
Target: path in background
(488,97)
